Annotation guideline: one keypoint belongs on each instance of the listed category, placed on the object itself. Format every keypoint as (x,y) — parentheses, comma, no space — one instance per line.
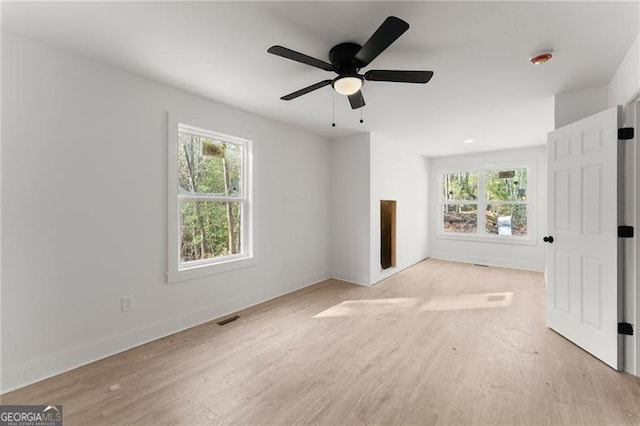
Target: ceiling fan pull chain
(361,114)
(333,122)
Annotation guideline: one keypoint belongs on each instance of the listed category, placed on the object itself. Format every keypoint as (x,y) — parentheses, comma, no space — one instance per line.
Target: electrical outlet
(126,303)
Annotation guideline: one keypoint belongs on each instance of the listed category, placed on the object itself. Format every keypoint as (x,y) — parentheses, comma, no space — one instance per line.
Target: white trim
(635,369)
(482,202)
(201,131)
(631,217)
(481,224)
(209,197)
(486,238)
(177,271)
(488,261)
(634,340)
(50,364)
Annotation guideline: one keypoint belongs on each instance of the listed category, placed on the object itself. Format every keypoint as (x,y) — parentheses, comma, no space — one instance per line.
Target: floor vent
(227,320)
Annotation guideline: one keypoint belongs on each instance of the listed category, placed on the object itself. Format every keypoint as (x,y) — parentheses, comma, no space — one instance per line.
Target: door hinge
(625,231)
(625,133)
(625,328)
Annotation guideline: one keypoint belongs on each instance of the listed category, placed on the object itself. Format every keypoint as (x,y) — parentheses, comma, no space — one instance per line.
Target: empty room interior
(320,212)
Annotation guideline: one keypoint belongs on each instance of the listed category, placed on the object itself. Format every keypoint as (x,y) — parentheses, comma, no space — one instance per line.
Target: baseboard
(51,364)
(489,261)
(387,273)
(383,275)
(342,277)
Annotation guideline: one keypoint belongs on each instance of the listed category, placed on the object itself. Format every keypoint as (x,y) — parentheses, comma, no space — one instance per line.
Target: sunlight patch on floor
(351,308)
(469,301)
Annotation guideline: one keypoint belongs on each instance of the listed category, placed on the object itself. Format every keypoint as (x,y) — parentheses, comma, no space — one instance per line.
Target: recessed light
(541,58)
(468,141)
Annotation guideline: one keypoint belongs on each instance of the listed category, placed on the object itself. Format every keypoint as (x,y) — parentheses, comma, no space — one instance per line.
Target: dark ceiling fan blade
(387,33)
(300,57)
(306,90)
(399,76)
(356,100)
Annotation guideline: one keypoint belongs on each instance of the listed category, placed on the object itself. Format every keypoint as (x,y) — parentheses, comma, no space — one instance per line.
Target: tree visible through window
(485,202)
(460,195)
(211,195)
(506,210)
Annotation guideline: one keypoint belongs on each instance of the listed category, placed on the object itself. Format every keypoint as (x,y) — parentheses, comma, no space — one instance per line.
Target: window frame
(467,202)
(176,270)
(481,234)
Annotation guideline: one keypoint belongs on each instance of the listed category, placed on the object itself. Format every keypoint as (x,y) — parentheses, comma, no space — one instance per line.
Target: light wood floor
(402,352)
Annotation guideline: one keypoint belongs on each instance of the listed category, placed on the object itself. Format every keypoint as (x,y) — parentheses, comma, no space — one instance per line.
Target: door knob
(548,239)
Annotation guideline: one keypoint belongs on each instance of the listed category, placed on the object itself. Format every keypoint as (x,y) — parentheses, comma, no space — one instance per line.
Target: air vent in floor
(227,320)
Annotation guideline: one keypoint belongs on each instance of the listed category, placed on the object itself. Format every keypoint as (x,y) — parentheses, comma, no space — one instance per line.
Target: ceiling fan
(348,58)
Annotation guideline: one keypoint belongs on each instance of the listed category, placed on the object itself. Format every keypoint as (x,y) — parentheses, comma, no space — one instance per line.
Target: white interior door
(582,244)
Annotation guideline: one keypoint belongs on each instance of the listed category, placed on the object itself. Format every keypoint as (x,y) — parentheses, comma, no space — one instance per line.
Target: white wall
(576,105)
(84,219)
(491,253)
(626,80)
(365,169)
(401,175)
(350,218)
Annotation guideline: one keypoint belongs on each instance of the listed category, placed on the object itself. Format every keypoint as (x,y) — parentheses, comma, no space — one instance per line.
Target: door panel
(592,199)
(592,141)
(562,191)
(562,280)
(582,277)
(562,149)
(591,291)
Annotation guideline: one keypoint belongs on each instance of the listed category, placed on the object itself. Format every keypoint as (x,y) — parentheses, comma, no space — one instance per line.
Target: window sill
(494,239)
(199,271)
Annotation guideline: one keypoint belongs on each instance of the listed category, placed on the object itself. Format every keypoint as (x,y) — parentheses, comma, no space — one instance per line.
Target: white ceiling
(483,87)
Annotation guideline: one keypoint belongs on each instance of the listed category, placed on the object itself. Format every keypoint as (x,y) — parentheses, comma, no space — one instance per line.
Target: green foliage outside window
(506,185)
(460,186)
(207,171)
(504,203)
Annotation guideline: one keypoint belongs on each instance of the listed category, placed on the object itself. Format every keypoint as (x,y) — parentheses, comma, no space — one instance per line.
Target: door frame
(636,124)
(631,216)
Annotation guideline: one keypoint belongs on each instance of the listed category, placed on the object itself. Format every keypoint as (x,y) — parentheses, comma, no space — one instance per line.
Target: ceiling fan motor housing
(343,58)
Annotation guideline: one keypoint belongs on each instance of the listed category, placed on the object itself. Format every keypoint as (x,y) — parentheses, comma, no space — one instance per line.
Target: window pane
(506,185)
(460,218)
(208,166)
(506,219)
(460,186)
(209,229)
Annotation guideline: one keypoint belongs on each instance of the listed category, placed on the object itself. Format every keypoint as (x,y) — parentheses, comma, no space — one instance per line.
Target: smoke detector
(541,58)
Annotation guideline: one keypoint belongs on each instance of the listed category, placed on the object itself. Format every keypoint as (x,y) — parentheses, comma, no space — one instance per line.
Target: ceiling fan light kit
(346,60)
(347,85)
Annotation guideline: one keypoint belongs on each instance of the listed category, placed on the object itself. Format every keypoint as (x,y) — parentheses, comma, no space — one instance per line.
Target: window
(486,202)
(209,201)
(506,195)
(460,195)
